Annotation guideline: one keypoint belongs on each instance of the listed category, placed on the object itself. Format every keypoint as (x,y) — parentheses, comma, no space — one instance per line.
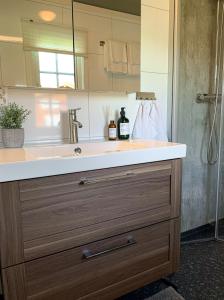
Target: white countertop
(40,161)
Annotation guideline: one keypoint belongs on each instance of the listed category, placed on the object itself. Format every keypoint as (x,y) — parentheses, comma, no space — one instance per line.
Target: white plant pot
(13,138)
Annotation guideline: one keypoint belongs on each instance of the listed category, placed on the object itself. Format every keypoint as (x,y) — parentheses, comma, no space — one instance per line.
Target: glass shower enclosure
(200,114)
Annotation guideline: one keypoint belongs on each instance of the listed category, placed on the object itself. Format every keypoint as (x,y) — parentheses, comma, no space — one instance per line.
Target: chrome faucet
(74,124)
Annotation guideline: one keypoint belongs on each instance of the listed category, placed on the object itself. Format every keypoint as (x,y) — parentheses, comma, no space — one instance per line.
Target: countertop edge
(59,166)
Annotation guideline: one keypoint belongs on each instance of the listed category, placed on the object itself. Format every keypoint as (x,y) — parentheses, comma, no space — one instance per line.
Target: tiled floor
(201,274)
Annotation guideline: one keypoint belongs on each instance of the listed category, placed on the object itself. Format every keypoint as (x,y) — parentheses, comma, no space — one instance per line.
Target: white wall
(155,47)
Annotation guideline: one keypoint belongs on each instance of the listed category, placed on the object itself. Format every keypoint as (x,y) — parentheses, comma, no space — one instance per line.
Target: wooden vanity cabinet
(90,235)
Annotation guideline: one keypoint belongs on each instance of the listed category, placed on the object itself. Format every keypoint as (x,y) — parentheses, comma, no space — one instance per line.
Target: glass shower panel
(218,119)
(196,75)
(220,181)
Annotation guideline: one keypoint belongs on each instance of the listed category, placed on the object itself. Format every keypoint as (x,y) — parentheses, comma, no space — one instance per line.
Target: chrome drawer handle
(88,254)
(124,174)
(85,180)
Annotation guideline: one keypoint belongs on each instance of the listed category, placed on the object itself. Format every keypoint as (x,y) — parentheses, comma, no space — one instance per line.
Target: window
(56,70)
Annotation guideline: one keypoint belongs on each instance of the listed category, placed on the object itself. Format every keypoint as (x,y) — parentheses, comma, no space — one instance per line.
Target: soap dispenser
(123,126)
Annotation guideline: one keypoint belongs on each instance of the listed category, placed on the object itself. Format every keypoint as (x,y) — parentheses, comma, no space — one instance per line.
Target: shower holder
(207,98)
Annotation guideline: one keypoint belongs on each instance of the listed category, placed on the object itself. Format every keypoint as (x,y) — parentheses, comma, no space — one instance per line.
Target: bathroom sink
(38,161)
(87,149)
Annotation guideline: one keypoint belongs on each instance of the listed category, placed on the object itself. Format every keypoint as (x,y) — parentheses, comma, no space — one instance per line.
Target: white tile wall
(102,25)
(120,83)
(49,119)
(105,107)
(12,70)
(155,40)
(158,83)
(126,31)
(161,4)
(99,80)
(67,17)
(155,47)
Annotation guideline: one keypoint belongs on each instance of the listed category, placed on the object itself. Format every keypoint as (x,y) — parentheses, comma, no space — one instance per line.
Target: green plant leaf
(13,116)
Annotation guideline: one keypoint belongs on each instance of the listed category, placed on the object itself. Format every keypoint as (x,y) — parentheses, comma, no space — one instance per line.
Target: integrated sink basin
(38,161)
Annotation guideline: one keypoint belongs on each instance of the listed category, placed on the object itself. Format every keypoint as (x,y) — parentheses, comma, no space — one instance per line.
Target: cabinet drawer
(44,216)
(66,211)
(101,270)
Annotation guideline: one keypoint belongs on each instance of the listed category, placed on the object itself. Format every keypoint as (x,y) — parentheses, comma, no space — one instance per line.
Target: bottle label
(124,128)
(112,133)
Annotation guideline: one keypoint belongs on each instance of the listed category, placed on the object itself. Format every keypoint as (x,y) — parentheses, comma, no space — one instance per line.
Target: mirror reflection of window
(54,67)
(56,70)
(48,110)
(27,28)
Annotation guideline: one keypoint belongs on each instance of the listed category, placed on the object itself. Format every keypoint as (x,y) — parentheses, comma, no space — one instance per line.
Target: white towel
(133,53)
(115,57)
(149,123)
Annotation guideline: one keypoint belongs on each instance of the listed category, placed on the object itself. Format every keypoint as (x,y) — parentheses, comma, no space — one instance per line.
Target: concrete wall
(197,33)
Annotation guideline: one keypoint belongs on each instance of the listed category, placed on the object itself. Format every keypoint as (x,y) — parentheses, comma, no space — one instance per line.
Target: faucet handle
(73,110)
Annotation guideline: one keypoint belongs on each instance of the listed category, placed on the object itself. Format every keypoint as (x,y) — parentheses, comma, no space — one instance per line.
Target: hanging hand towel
(149,123)
(133,53)
(115,57)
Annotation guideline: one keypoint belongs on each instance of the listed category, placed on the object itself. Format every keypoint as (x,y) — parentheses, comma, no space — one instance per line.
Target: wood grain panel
(127,217)
(130,284)
(14,283)
(175,245)
(68,275)
(69,239)
(11,239)
(59,213)
(176,187)
(96,204)
(56,185)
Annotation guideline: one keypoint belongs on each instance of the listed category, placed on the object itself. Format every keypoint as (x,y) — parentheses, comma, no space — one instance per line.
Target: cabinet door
(47,215)
(62,212)
(100,270)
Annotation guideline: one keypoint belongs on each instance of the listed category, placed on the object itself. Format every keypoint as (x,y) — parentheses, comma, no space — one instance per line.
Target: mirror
(36,43)
(107,37)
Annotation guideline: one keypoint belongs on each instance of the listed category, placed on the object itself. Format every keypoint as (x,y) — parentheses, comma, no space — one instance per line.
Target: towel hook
(145,96)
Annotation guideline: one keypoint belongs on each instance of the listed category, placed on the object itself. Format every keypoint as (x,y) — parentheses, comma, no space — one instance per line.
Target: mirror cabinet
(88,45)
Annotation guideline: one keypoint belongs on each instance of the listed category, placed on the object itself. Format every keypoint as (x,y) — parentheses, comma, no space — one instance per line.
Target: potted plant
(12,117)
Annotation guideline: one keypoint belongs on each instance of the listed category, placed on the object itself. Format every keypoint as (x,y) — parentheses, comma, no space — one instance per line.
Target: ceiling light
(47,15)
